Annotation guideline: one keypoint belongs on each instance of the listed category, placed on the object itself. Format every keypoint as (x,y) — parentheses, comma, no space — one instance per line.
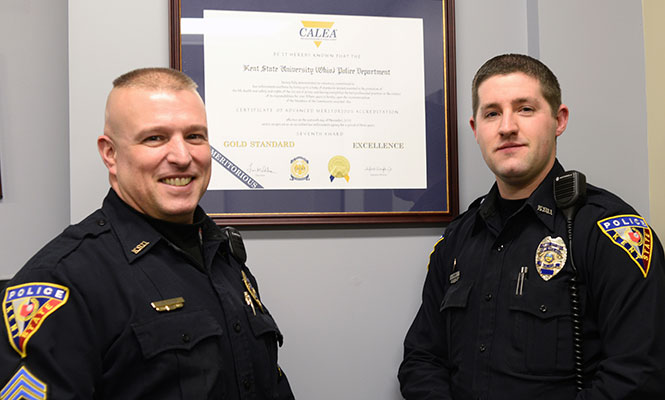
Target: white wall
(33,128)
(106,39)
(654,47)
(596,48)
(343,297)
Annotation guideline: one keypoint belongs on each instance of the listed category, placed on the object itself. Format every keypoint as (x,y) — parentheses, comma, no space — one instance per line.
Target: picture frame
(435,201)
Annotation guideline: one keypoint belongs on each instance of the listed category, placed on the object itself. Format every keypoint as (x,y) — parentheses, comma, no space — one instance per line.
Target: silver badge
(550,257)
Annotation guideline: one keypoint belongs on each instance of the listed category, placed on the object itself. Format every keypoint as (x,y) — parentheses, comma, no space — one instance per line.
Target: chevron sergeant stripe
(23,386)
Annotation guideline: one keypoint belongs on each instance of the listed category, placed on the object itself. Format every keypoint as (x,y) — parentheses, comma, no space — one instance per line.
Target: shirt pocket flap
(175,331)
(263,323)
(457,295)
(543,300)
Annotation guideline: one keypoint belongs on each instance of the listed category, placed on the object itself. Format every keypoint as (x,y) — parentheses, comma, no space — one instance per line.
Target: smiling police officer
(503,300)
(146,298)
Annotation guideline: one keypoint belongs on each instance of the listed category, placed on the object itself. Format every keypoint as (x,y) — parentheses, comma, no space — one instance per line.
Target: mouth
(177,181)
(508,146)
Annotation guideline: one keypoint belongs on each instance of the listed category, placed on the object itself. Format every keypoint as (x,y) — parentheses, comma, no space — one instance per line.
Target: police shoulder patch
(633,235)
(23,385)
(434,249)
(26,306)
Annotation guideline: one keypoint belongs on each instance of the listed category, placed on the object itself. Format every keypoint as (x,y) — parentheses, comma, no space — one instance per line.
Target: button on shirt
(106,341)
(482,335)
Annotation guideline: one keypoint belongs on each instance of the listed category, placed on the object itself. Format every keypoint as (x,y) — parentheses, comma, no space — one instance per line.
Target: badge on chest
(550,257)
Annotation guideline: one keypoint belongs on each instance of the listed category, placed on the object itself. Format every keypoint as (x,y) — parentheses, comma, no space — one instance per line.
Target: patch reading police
(633,235)
(23,385)
(26,306)
(550,257)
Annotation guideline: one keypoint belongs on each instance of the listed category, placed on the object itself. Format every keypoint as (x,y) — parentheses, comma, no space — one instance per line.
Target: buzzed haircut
(155,78)
(510,63)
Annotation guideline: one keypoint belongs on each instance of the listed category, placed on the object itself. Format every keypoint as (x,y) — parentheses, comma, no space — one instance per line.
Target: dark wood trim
(334,218)
(175,58)
(451,63)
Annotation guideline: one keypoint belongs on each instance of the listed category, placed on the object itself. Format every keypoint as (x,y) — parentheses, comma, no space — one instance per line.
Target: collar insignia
(545,210)
(550,257)
(139,247)
(26,306)
(633,235)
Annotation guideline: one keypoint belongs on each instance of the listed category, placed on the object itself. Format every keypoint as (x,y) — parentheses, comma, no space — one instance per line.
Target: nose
(178,151)
(508,124)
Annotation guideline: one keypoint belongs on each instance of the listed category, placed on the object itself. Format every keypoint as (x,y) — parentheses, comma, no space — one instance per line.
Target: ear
(562,119)
(107,150)
(472,122)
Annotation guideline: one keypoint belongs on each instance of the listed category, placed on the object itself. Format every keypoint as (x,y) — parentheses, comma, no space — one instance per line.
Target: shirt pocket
(454,310)
(183,346)
(267,337)
(542,336)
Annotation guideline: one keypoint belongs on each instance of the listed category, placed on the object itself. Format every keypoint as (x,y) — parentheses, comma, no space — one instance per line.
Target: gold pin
(139,247)
(168,304)
(249,302)
(251,290)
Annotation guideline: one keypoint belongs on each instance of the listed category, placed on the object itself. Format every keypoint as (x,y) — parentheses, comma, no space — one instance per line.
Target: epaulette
(69,240)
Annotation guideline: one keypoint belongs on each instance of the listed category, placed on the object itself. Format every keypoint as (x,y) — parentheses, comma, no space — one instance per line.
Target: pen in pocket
(520,280)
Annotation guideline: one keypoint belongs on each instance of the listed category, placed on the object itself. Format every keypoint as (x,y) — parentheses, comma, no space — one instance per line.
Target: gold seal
(339,167)
(550,257)
(300,169)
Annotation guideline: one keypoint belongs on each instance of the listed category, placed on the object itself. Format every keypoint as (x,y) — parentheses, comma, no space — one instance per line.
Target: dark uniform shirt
(81,325)
(492,327)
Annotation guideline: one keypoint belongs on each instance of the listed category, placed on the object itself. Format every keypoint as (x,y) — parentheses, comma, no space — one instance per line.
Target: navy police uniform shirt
(495,319)
(110,309)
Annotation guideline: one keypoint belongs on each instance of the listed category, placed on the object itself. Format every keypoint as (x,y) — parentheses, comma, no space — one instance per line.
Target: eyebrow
(165,130)
(514,102)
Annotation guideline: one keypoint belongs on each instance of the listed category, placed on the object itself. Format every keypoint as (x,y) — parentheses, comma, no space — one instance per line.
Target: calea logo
(317,31)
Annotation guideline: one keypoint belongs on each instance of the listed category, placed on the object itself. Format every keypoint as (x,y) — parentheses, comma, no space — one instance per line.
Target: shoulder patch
(633,235)
(26,306)
(429,258)
(23,385)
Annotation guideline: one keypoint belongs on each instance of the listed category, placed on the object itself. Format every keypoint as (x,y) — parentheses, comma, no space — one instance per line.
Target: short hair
(510,63)
(155,78)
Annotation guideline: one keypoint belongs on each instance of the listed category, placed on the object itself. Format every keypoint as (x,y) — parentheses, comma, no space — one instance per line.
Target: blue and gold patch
(23,386)
(633,235)
(26,306)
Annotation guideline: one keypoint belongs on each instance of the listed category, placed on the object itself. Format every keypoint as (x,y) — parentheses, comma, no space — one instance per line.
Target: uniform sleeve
(626,284)
(424,372)
(48,349)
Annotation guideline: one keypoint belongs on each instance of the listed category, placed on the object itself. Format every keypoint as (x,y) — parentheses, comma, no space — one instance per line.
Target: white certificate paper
(310,101)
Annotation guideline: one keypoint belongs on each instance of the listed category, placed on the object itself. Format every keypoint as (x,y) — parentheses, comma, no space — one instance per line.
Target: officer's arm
(630,310)
(424,372)
(46,348)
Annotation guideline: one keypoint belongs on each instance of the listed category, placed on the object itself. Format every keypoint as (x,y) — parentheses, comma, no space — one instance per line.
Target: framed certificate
(324,112)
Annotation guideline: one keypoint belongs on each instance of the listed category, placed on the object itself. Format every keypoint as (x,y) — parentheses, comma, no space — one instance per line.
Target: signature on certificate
(260,171)
(378,171)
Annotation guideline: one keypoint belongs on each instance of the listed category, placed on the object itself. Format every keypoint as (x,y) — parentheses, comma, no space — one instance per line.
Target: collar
(541,202)
(135,234)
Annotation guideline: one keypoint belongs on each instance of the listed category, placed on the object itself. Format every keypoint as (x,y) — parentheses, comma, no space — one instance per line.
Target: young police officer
(145,298)
(496,320)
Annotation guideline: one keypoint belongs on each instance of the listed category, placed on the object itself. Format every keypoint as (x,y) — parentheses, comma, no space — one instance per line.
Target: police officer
(146,298)
(497,316)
